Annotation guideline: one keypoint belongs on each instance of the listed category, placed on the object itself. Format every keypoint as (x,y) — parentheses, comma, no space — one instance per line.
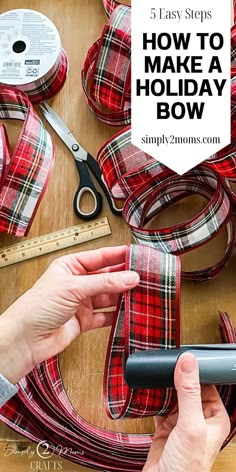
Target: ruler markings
(52,242)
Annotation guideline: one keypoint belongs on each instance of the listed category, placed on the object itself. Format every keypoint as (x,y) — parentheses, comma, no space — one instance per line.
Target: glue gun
(155,369)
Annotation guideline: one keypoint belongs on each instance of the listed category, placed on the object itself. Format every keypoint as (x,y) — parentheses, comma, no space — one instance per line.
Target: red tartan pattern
(178,239)
(29,166)
(106,71)
(233,51)
(147,318)
(185,236)
(49,85)
(4,153)
(110,79)
(41,411)
(118,118)
(109,6)
(126,167)
(147,187)
(228,393)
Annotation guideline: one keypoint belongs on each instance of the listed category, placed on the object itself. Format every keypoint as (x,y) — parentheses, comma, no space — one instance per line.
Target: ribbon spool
(31,55)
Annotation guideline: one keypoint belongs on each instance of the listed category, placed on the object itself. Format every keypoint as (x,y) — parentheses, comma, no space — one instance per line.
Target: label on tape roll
(29,46)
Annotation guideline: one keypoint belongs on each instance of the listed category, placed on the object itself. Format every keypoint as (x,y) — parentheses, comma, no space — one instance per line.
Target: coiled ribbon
(50,84)
(24,173)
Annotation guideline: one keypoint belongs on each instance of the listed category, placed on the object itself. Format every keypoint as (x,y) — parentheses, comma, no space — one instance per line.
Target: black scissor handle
(93,165)
(86,186)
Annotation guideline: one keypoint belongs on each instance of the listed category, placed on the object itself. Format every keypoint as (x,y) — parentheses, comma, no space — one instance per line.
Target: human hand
(61,305)
(191,435)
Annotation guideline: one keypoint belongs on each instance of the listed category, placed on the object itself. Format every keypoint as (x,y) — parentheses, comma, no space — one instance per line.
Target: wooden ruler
(52,242)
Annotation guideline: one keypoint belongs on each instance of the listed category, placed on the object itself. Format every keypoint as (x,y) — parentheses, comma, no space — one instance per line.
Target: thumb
(107,282)
(188,389)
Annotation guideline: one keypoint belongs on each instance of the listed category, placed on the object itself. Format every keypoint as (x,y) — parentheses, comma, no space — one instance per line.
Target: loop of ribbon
(24,173)
(110,79)
(107,70)
(148,318)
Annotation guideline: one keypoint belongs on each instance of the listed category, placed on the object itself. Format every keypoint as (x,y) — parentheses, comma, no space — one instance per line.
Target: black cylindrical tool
(155,369)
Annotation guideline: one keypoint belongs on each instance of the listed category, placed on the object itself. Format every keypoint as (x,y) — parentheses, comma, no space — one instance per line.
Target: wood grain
(80,23)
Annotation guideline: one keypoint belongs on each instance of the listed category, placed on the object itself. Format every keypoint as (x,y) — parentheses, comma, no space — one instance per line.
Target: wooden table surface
(80,23)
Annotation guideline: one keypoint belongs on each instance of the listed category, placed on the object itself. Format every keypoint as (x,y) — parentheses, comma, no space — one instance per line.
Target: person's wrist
(15,356)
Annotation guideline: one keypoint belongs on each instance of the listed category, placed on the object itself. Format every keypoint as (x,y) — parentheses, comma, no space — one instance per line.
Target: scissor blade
(63,132)
(47,110)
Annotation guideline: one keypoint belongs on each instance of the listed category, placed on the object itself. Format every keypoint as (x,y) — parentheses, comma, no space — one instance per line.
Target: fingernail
(189,363)
(130,277)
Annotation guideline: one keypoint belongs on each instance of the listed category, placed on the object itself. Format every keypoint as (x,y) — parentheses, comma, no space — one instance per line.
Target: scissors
(81,158)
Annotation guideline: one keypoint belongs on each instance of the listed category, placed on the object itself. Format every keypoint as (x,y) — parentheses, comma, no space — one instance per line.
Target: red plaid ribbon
(233,51)
(4,153)
(50,84)
(110,5)
(41,410)
(185,236)
(147,187)
(106,71)
(24,172)
(148,318)
(228,393)
(111,75)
